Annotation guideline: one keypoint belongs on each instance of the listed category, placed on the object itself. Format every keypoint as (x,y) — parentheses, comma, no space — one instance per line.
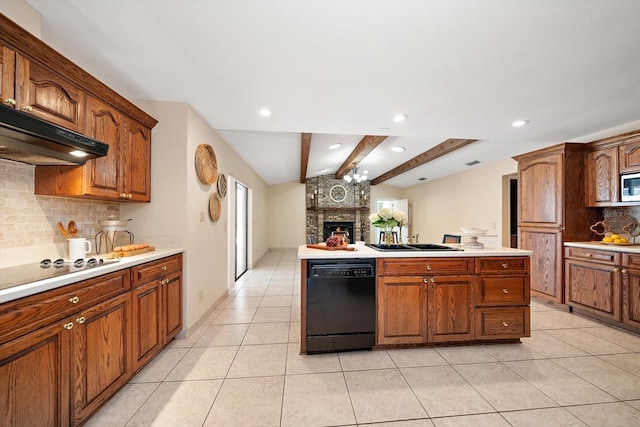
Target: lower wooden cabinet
(61,373)
(401,311)
(631,290)
(500,323)
(450,308)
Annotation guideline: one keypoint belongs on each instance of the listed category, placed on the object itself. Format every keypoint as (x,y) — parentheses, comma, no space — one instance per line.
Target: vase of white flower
(387,219)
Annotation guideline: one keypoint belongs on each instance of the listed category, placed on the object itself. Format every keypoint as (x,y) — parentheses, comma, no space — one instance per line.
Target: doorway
(241,229)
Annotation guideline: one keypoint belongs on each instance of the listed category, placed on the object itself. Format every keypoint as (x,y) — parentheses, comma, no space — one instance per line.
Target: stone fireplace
(332,226)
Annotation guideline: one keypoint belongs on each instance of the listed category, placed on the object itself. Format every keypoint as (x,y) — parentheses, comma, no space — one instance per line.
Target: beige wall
(178,200)
(287,215)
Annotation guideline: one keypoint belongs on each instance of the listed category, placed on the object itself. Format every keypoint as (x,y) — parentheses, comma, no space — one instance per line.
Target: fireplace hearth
(333,226)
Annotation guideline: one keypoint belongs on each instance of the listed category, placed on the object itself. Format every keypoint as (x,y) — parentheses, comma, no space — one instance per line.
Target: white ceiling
(343,69)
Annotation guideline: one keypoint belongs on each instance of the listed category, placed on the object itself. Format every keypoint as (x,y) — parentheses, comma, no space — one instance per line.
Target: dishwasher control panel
(352,269)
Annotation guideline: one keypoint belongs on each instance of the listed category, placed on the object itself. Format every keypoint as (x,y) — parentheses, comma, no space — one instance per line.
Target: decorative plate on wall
(338,193)
(206,164)
(215,207)
(222,185)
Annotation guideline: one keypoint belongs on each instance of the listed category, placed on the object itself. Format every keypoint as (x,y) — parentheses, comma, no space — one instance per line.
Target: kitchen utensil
(73,229)
(79,248)
(64,232)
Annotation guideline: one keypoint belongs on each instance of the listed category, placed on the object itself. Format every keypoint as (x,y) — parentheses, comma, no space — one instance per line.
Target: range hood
(28,139)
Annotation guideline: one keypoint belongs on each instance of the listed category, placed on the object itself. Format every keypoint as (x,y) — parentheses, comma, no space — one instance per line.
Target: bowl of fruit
(616,239)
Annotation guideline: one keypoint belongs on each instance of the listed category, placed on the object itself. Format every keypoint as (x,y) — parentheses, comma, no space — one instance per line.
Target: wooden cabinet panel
(7,75)
(424,266)
(146,316)
(511,322)
(602,177)
(631,298)
(546,275)
(155,269)
(541,181)
(34,378)
(502,265)
(137,162)
(605,257)
(502,290)
(172,306)
(100,354)
(44,94)
(401,311)
(450,308)
(594,287)
(630,155)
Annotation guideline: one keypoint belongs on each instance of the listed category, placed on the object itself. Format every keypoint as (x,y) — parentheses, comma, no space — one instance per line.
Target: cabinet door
(450,308)
(146,322)
(631,297)
(541,181)
(104,175)
(137,162)
(401,310)
(34,378)
(630,156)
(546,277)
(101,344)
(7,75)
(594,287)
(44,94)
(172,306)
(602,177)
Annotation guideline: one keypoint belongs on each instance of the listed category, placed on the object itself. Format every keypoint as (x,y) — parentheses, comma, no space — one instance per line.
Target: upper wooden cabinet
(630,155)
(602,177)
(541,180)
(38,80)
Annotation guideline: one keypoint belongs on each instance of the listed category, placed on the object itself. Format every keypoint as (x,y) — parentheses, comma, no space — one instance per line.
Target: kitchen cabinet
(123,174)
(502,298)
(157,306)
(631,290)
(66,351)
(629,153)
(602,177)
(449,308)
(552,209)
(593,281)
(100,354)
(7,75)
(401,310)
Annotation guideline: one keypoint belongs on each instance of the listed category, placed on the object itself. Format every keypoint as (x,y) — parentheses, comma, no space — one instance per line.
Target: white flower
(400,217)
(374,217)
(385,213)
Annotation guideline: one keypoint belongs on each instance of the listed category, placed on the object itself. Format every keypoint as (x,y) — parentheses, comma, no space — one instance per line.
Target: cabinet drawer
(608,257)
(425,266)
(27,314)
(502,265)
(496,323)
(631,260)
(502,290)
(154,270)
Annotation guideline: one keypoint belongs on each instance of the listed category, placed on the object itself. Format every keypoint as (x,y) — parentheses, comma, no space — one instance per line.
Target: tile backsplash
(28,222)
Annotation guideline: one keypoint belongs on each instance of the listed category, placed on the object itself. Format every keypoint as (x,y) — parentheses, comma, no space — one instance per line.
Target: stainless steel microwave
(630,187)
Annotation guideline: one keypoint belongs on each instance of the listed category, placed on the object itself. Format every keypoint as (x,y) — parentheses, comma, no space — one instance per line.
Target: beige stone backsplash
(28,222)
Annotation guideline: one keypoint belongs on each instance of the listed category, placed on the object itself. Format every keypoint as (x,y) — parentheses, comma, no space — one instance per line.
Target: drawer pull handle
(428,267)
(425,280)
(505,265)
(74,300)
(163,268)
(80,320)
(589,255)
(10,101)
(624,271)
(27,108)
(68,325)
(505,291)
(505,324)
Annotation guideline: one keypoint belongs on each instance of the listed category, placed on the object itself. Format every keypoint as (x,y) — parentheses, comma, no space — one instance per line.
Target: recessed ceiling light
(519,123)
(400,117)
(398,149)
(422,179)
(472,162)
(264,112)
(334,146)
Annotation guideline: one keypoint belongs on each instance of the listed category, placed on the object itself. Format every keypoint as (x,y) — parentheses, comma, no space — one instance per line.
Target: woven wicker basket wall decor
(206,164)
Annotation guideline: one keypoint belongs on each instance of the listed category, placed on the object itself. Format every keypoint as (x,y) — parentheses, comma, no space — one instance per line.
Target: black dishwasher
(341,305)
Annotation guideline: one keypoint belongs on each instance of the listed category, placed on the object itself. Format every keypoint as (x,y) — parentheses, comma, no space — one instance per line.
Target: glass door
(241,232)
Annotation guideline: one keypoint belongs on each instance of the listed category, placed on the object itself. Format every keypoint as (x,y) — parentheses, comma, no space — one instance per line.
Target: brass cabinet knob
(80,320)
(74,300)
(505,324)
(425,280)
(623,271)
(10,101)
(68,325)
(505,291)
(163,268)
(433,280)
(129,196)
(27,108)
(616,269)
(428,267)
(123,196)
(505,265)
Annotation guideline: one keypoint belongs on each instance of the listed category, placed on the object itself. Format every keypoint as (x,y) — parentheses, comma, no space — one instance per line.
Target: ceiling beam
(364,147)
(305,148)
(433,153)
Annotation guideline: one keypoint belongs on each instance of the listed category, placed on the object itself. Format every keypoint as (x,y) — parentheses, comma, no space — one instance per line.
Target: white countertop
(363,251)
(605,246)
(21,291)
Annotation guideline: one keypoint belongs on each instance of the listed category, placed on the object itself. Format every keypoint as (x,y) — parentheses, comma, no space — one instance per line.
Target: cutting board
(130,253)
(332,248)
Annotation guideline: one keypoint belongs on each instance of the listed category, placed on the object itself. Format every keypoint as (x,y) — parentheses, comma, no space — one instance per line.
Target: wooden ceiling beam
(305,148)
(364,147)
(433,153)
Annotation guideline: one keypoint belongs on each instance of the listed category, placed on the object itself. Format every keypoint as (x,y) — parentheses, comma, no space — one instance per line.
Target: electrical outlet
(201,216)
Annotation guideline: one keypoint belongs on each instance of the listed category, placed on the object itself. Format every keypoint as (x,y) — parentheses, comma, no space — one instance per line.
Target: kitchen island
(437,297)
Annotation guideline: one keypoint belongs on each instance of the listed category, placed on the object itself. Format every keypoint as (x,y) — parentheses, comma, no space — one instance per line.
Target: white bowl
(474,230)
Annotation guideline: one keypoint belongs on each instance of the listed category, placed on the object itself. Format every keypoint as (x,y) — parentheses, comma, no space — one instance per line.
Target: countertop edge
(363,251)
(33,288)
(604,247)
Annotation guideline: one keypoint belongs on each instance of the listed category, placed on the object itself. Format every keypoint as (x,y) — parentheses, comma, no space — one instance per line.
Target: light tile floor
(243,368)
